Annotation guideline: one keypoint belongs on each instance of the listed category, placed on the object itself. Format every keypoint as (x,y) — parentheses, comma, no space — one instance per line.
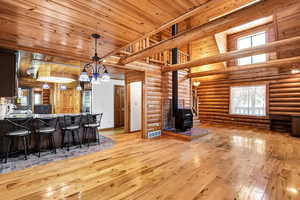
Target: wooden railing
(164,58)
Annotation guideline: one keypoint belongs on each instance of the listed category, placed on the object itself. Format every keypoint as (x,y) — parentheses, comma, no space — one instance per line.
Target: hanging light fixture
(63,87)
(84,77)
(45,86)
(105,76)
(295,71)
(196,83)
(96,65)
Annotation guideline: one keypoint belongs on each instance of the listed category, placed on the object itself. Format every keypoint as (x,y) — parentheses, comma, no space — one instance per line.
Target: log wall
(284,87)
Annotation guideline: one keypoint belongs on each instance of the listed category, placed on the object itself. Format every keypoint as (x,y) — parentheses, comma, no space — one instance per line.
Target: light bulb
(78,88)
(84,77)
(45,86)
(105,76)
(63,87)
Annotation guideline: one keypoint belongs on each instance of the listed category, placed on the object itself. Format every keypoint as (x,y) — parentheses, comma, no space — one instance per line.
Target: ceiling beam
(285,44)
(270,64)
(203,7)
(242,16)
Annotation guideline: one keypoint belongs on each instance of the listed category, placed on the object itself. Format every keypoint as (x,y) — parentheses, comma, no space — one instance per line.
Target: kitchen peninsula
(60,124)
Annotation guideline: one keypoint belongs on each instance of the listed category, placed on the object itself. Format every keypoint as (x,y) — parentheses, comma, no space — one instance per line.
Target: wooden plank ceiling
(58,66)
(64,26)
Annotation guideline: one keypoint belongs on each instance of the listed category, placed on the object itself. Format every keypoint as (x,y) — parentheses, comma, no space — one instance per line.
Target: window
(23,95)
(252,41)
(248,100)
(37,98)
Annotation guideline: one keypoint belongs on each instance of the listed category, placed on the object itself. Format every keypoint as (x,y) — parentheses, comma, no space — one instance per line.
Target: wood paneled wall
(68,101)
(284,87)
(203,48)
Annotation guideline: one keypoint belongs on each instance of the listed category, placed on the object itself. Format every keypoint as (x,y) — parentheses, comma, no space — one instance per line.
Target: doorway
(119,105)
(135,106)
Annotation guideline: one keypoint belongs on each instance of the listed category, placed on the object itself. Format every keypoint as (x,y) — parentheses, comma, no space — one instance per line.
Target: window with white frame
(248,100)
(252,41)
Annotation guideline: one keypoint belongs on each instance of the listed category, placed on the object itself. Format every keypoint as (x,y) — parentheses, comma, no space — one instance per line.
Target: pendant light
(96,65)
(105,76)
(63,87)
(84,77)
(45,86)
(78,88)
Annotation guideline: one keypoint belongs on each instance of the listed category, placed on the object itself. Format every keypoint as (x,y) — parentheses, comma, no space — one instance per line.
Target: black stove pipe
(175,74)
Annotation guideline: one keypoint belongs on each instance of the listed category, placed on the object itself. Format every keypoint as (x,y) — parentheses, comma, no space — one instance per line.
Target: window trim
(251,36)
(249,85)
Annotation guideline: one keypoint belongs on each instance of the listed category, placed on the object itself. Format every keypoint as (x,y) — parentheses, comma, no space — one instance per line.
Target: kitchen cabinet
(8,78)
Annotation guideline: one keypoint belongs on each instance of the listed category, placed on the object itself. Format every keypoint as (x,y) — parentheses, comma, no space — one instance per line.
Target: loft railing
(164,58)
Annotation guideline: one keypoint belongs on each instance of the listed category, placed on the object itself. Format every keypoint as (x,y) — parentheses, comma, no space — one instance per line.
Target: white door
(135,106)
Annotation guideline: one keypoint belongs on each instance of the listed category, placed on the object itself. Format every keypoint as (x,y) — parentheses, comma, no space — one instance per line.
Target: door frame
(129,106)
(135,76)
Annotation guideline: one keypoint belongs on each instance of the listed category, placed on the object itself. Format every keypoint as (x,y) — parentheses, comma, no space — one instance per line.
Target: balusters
(164,57)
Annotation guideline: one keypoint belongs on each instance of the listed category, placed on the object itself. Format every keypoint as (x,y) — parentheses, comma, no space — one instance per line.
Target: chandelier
(97,67)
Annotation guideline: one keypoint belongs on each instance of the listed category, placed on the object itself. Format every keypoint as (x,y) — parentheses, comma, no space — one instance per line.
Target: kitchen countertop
(2,117)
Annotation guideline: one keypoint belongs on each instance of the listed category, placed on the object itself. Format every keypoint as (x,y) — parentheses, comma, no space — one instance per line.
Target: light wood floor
(228,164)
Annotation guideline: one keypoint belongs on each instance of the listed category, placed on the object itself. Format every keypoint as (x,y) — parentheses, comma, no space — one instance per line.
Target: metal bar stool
(93,122)
(46,127)
(18,128)
(70,126)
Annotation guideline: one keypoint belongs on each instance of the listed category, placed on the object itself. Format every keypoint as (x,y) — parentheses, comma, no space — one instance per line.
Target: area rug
(18,163)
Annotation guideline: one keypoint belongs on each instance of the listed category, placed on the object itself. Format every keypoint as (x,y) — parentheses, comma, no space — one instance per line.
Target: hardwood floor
(231,163)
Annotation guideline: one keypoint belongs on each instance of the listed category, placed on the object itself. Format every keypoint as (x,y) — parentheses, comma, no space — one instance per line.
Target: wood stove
(184,119)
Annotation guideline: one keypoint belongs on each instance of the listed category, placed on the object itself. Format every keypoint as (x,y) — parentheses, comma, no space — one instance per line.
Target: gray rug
(18,163)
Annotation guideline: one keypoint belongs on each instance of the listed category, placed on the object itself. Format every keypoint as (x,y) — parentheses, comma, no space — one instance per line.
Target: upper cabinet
(8,63)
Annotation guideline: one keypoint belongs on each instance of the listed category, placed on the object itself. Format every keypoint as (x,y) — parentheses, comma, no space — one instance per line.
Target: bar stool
(46,127)
(93,122)
(18,128)
(70,126)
